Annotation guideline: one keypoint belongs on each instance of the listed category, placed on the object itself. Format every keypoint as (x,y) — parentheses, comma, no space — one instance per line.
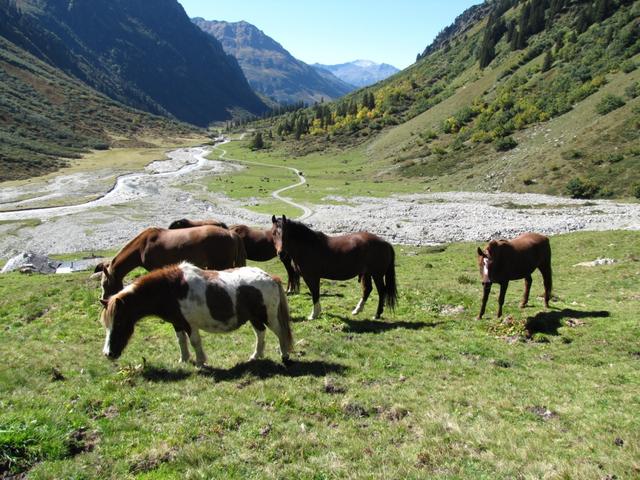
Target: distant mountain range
(270,68)
(153,59)
(360,73)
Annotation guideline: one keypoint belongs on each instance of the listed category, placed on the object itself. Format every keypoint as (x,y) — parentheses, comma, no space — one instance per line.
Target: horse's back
(525,253)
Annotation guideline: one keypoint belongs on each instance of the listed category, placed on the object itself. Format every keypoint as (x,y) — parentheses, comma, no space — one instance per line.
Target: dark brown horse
(186,223)
(505,260)
(207,247)
(316,255)
(258,244)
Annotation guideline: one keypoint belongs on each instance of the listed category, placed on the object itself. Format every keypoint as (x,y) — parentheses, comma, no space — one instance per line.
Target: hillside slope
(153,59)
(271,69)
(47,117)
(536,96)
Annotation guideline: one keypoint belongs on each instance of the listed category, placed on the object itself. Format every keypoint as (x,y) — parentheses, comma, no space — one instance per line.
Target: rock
(29,262)
(597,262)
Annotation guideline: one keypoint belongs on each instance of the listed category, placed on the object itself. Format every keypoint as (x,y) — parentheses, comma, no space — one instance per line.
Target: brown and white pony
(186,223)
(206,246)
(258,244)
(505,260)
(192,299)
(316,255)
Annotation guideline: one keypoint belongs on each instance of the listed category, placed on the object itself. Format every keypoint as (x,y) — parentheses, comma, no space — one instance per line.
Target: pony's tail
(284,322)
(391,290)
(241,252)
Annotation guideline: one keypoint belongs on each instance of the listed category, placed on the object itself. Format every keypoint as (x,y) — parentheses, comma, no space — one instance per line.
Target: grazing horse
(192,299)
(316,255)
(206,246)
(186,223)
(258,244)
(505,260)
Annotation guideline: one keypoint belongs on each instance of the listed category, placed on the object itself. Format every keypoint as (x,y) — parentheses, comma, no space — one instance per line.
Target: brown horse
(206,246)
(316,255)
(258,244)
(192,299)
(505,260)
(186,223)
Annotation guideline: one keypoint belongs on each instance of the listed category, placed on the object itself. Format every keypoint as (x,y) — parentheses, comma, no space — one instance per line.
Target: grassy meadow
(427,392)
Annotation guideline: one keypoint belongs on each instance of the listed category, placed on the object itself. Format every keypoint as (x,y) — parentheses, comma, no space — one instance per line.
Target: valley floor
(102,216)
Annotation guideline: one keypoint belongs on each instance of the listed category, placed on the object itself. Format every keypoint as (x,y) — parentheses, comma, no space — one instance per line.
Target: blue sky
(338,31)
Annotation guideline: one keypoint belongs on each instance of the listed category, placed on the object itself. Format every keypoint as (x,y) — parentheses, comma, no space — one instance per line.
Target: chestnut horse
(316,255)
(505,260)
(186,223)
(206,246)
(192,299)
(258,244)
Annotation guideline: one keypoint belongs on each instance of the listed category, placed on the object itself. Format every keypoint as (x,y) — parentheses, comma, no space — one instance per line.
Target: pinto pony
(192,299)
(206,246)
(258,244)
(505,260)
(316,255)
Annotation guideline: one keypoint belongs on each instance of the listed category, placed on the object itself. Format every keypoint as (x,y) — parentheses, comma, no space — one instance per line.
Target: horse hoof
(355,311)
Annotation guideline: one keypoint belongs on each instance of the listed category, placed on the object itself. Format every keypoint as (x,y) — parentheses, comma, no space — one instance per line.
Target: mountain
(527,96)
(270,69)
(153,59)
(360,73)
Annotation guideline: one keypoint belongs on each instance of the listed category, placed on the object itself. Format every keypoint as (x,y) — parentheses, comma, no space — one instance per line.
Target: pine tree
(257,143)
(548,61)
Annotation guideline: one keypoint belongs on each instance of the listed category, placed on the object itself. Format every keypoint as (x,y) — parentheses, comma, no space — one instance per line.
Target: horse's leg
(546,280)
(503,292)
(366,290)
(196,343)
(260,334)
(183,342)
(293,278)
(486,290)
(379,281)
(527,288)
(314,287)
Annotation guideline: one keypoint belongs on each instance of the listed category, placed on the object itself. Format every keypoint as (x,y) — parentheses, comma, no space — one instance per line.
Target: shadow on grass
(549,322)
(161,374)
(377,326)
(266,368)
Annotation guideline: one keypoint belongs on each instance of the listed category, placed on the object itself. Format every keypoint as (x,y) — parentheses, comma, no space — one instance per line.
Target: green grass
(420,394)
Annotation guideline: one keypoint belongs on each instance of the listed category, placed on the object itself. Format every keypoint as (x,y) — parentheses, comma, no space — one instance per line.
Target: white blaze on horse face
(485,267)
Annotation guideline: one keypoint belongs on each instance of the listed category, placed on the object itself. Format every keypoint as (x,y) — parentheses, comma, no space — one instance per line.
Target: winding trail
(306,211)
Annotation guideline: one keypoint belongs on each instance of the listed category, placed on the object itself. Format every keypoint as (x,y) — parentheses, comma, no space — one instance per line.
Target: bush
(609,103)
(633,90)
(579,188)
(636,191)
(503,144)
(628,66)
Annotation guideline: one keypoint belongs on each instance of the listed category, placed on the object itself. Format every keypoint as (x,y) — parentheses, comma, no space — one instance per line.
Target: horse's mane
(303,233)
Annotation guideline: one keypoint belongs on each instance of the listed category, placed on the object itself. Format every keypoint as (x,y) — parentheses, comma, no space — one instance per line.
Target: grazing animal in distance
(206,246)
(505,260)
(316,255)
(258,244)
(186,223)
(192,299)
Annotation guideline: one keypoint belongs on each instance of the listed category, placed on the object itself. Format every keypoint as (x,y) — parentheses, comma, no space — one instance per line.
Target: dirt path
(306,211)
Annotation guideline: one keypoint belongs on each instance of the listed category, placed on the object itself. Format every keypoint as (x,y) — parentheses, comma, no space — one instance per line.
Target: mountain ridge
(360,73)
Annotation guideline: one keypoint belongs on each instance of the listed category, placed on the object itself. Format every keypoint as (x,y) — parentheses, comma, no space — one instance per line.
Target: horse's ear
(99,267)
(104,302)
(273,219)
(481,253)
(284,218)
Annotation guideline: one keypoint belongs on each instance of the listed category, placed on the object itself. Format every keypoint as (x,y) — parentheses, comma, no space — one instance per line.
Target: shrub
(609,103)
(579,188)
(633,90)
(636,191)
(503,144)
(628,66)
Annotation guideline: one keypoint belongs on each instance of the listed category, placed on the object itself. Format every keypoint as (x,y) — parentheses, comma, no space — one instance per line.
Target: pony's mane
(303,232)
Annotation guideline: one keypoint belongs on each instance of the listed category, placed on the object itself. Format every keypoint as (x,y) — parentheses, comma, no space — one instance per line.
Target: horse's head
(109,282)
(487,261)
(280,233)
(118,324)
(182,223)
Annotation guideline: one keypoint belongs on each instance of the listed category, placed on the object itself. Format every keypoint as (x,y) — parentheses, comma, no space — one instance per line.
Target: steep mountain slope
(154,58)
(360,73)
(271,69)
(539,96)
(47,117)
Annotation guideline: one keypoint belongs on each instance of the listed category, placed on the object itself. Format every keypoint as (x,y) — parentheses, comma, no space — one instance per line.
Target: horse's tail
(284,321)
(241,252)
(391,290)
